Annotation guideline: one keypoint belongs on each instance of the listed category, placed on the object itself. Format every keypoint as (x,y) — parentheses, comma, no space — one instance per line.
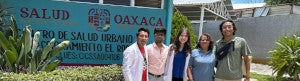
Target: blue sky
(246,1)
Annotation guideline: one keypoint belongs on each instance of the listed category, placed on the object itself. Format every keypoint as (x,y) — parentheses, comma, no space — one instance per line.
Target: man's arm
(126,66)
(247,65)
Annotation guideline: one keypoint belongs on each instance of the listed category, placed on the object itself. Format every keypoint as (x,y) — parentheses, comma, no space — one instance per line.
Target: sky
(236,4)
(241,4)
(246,1)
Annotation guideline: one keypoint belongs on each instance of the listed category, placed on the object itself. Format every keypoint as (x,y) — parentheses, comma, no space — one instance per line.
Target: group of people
(179,62)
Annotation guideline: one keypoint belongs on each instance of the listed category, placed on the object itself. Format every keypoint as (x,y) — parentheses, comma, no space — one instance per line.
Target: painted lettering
(159,22)
(24,12)
(121,48)
(84,36)
(42,13)
(117,38)
(98,56)
(62,35)
(69,55)
(108,48)
(34,13)
(136,20)
(84,46)
(152,20)
(126,19)
(144,20)
(119,18)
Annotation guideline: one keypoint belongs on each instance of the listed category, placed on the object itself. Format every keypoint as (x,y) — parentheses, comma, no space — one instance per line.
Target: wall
(98,33)
(260,32)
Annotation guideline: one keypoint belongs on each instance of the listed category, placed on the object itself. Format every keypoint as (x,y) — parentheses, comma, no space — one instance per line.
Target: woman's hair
(221,25)
(176,44)
(211,43)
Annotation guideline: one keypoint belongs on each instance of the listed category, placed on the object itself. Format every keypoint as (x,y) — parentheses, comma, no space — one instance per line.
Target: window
(138,3)
(148,3)
(92,1)
(117,2)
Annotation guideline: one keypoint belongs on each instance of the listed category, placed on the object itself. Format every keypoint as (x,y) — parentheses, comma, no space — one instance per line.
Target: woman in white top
(178,58)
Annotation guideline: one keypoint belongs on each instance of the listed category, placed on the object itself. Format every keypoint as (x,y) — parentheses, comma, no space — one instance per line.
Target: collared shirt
(202,65)
(229,67)
(157,58)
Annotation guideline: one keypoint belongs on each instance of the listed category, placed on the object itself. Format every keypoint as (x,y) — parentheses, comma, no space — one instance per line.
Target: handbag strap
(223,51)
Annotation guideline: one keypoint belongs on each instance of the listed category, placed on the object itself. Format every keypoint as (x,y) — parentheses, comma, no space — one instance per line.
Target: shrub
(285,57)
(4,14)
(97,73)
(22,54)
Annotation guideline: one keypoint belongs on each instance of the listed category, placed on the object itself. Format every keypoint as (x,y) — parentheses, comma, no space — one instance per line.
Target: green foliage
(22,54)
(3,17)
(98,73)
(276,2)
(180,21)
(261,77)
(285,57)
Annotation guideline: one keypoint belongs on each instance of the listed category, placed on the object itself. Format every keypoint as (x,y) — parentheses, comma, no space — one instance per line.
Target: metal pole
(132,2)
(101,1)
(201,21)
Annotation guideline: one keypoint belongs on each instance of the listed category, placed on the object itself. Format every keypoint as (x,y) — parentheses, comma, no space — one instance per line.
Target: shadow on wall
(259,32)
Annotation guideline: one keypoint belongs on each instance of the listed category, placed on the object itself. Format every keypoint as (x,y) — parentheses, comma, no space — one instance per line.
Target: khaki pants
(217,79)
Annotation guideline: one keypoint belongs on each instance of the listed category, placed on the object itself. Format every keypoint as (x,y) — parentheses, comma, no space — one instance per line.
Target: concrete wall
(260,32)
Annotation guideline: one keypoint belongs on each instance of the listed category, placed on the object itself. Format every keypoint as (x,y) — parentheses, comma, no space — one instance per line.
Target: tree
(276,2)
(180,21)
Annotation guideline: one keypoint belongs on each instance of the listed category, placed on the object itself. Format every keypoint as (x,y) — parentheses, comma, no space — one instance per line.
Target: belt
(157,76)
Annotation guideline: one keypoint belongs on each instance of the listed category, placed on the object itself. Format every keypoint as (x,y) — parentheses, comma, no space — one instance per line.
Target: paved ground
(251,79)
(261,69)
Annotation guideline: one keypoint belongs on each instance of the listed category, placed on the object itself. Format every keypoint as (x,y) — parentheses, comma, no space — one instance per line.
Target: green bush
(276,2)
(180,21)
(4,14)
(97,73)
(261,77)
(22,53)
(285,57)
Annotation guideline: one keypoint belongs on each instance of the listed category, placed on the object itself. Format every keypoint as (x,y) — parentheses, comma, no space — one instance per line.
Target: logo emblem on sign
(99,19)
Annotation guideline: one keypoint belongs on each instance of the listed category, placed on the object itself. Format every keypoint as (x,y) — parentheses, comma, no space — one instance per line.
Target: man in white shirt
(135,58)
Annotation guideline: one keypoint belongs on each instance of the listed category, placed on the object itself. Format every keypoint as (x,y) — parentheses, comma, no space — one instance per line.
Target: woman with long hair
(178,58)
